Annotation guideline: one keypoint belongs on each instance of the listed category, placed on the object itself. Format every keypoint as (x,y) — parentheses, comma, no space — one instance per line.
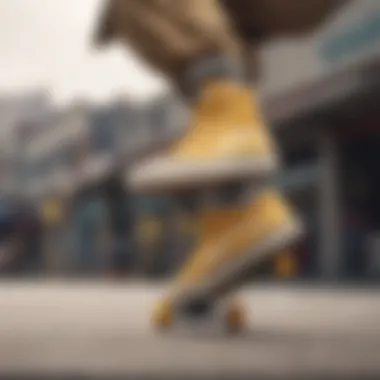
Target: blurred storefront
(88,234)
(320,95)
(360,187)
(322,104)
(53,213)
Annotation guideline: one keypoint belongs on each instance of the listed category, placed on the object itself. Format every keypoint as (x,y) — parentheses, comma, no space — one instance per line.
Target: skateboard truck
(229,314)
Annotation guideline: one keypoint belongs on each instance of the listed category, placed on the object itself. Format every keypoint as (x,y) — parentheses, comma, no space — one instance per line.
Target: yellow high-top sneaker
(227,141)
(242,240)
(211,225)
(268,227)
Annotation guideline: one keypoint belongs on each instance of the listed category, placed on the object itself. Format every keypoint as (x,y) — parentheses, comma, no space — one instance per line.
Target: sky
(46,44)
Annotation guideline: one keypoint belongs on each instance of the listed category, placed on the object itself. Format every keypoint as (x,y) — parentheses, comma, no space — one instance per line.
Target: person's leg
(169,35)
(192,42)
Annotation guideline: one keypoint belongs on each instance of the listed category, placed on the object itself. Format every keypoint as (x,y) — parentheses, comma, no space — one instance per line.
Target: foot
(227,141)
(234,242)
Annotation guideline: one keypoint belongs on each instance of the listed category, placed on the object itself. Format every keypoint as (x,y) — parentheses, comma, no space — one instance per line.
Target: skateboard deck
(222,309)
(227,315)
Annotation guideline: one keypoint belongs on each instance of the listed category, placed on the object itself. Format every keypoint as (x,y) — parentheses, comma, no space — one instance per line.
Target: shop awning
(356,87)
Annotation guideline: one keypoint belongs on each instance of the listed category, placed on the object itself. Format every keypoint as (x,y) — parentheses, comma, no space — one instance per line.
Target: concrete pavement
(103,329)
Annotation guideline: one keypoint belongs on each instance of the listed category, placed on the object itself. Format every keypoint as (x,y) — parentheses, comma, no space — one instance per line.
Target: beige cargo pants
(170,34)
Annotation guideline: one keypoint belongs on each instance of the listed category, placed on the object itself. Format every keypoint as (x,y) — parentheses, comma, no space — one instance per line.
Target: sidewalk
(104,329)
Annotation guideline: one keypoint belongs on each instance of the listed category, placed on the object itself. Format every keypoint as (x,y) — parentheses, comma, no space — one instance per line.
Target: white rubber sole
(166,174)
(269,246)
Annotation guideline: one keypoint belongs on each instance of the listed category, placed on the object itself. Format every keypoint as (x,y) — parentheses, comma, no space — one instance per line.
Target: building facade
(320,95)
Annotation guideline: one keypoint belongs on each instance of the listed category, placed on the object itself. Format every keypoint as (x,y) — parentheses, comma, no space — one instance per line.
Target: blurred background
(72,121)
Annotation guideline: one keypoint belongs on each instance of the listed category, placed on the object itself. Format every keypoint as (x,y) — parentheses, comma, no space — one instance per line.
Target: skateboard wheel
(163,316)
(235,317)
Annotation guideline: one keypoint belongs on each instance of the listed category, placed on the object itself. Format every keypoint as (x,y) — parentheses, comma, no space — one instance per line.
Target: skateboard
(221,308)
(228,315)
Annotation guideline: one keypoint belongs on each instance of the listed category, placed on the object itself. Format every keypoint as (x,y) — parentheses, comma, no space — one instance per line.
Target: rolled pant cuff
(212,67)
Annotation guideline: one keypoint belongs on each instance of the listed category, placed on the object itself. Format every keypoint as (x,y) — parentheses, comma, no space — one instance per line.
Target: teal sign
(352,40)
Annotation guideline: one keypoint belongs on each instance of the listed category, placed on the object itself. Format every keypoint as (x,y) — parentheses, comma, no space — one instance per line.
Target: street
(104,329)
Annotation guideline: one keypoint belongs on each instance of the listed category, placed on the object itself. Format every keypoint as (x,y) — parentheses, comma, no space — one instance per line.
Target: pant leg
(169,34)
(263,19)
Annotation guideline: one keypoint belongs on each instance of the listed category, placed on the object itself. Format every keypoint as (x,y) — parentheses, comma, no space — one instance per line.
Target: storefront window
(360,186)
(300,183)
(103,134)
